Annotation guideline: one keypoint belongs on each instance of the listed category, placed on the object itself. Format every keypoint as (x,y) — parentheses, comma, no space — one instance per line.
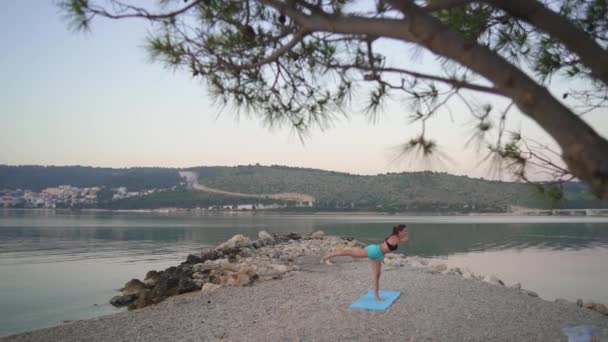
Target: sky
(96,99)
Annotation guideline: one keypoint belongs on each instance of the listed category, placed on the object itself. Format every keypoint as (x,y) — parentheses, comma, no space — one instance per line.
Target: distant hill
(407,191)
(36,178)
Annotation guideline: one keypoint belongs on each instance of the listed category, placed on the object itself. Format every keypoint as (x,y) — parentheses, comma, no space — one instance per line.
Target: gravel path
(312,305)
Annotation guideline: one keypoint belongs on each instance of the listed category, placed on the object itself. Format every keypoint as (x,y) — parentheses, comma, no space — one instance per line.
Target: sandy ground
(312,305)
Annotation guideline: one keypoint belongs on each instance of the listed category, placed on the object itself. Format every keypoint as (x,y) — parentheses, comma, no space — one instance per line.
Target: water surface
(65,266)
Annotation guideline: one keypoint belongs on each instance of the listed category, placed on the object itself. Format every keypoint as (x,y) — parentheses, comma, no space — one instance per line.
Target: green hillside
(410,191)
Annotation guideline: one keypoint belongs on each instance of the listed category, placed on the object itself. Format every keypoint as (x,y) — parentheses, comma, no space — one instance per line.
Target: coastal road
(191,178)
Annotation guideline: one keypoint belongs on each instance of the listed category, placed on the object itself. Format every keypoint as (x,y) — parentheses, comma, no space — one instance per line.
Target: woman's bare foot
(325,259)
(376,297)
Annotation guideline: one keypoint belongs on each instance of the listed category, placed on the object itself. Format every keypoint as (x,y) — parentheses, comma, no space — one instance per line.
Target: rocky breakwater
(239,261)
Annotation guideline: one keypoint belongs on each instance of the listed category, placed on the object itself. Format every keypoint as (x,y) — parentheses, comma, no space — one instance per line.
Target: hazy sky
(96,99)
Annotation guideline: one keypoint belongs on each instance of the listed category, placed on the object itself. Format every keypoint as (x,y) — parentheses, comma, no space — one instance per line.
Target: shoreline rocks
(238,261)
(241,261)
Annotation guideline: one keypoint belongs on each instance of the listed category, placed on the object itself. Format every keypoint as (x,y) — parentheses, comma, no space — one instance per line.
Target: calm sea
(56,267)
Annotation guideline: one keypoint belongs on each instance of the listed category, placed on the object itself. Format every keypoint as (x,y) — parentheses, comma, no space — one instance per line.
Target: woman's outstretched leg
(376,267)
(351,252)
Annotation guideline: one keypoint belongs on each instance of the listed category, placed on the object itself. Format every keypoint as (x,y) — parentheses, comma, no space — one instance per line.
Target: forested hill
(36,178)
(408,191)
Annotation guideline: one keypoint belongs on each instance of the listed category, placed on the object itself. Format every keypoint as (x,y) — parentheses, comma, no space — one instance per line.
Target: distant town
(71,197)
(63,196)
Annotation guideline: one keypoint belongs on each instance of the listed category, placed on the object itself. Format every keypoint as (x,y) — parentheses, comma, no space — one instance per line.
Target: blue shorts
(374,252)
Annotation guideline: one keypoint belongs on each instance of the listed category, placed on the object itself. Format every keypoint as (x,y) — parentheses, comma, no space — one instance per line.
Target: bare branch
(297,38)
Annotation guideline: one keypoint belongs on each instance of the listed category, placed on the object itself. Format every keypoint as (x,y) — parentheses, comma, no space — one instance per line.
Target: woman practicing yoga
(375,253)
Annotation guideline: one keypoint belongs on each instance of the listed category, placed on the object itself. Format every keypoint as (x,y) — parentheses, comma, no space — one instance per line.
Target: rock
(456,270)
(234,279)
(579,302)
(265,237)
(437,268)
(199,275)
(165,287)
(186,285)
(277,268)
(354,243)
(492,279)
(133,286)
(123,300)
(562,301)
(193,259)
(515,286)
(395,261)
(246,253)
(319,234)
(209,287)
(143,299)
(293,236)
(237,241)
(601,308)
(210,265)
(467,275)
(211,255)
(151,279)
(530,293)
(589,305)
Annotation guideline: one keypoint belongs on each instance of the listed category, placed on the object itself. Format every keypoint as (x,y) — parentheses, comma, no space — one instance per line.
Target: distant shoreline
(532,213)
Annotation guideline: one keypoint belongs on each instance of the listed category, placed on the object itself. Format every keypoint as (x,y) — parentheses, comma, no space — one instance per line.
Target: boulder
(439,267)
(209,287)
(395,261)
(263,236)
(210,265)
(165,287)
(319,234)
(579,302)
(515,286)
(589,305)
(456,270)
(354,243)
(123,300)
(133,286)
(143,299)
(210,255)
(280,269)
(237,241)
(601,308)
(492,279)
(230,278)
(293,236)
(151,279)
(186,285)
(530,293)
(193,259)
(199,275)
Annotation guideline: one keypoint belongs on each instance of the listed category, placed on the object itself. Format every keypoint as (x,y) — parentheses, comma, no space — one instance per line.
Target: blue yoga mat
(368,302)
